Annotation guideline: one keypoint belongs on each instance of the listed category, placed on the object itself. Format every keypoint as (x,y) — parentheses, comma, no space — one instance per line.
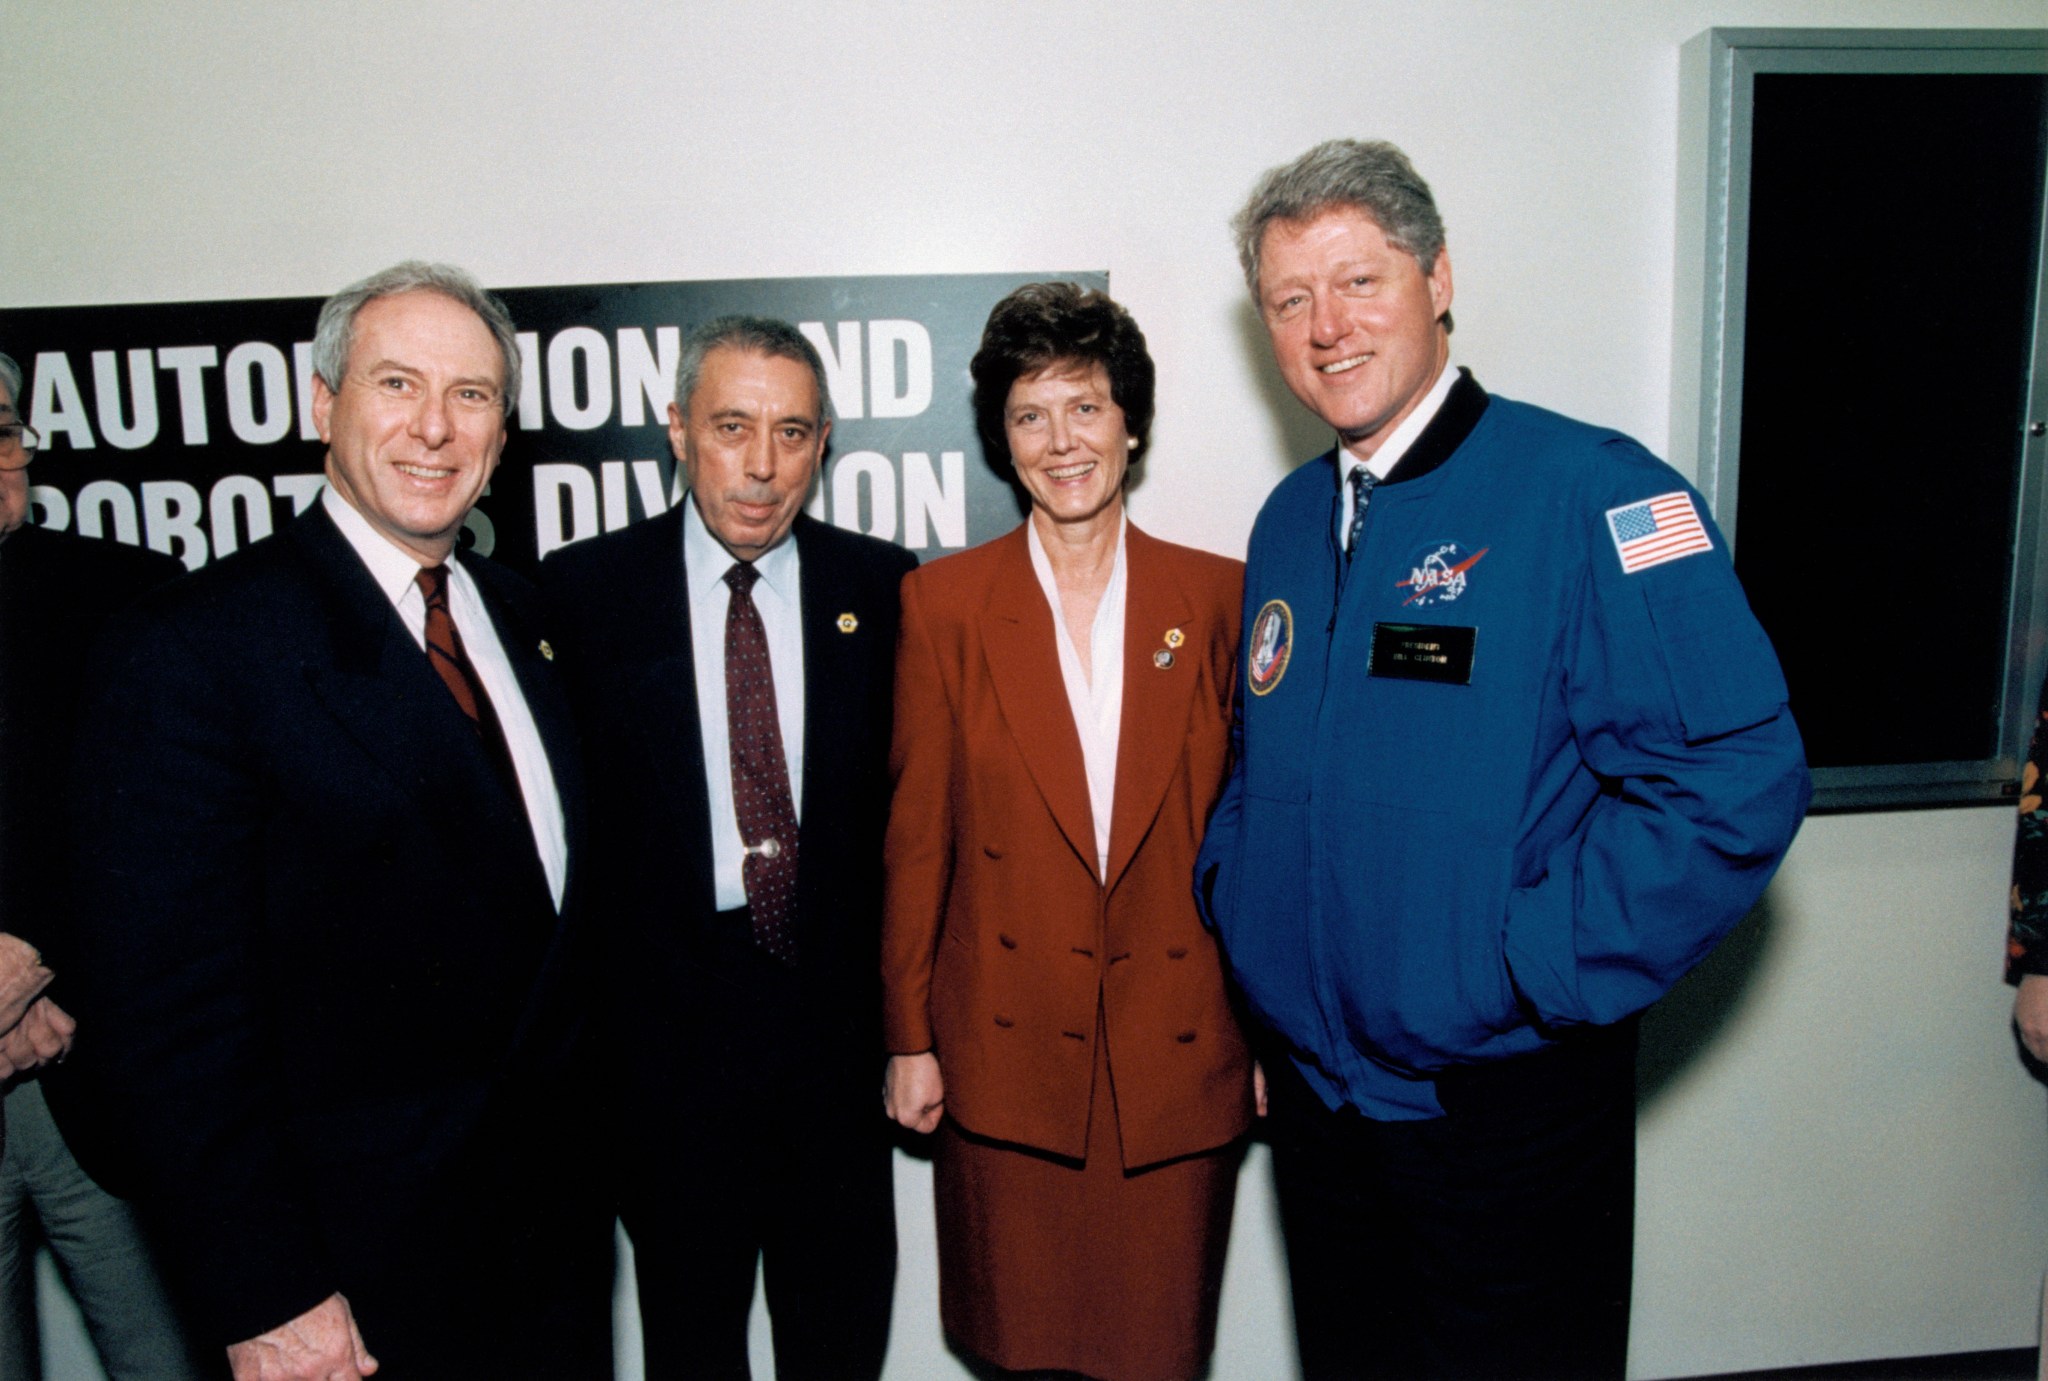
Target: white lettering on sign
(842,364)
(647,378)
(893,394)
(580,379)
(256,369)
(896,367)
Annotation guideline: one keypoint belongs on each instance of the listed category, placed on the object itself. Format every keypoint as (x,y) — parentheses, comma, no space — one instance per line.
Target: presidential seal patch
(1272,643)
(1439,573)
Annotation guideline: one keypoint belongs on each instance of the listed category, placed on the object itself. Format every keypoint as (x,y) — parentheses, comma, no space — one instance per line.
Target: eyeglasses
(18,445)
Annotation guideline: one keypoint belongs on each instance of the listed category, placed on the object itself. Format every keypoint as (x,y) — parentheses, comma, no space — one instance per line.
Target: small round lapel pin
(847,623)
(547,653)
(1162,659)
(1174,637)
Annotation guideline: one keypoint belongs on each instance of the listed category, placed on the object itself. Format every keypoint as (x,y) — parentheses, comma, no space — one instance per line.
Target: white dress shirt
(776,596)
(1392,449)
(396,572)
(1097,703)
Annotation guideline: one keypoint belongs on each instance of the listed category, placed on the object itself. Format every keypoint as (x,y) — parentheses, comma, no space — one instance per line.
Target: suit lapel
(1021,645)
(517,621)
(662,697)
(1156,699)
(832,666)
(379,687)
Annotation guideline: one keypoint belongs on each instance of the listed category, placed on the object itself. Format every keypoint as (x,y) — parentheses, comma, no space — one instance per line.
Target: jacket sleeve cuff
(903,1034)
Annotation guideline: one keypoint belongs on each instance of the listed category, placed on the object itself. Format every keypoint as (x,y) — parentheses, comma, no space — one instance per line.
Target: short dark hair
(1044,324)
(756,335)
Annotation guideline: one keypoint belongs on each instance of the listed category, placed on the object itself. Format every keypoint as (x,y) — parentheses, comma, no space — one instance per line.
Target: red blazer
(998,935)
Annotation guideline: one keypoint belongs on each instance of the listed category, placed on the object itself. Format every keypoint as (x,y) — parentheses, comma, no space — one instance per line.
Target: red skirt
(1049,1264)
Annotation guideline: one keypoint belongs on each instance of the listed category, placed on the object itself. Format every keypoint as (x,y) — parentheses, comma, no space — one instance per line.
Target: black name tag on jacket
(1422,652)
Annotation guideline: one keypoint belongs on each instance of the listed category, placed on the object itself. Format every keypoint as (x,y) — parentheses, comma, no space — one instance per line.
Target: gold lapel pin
(847,623)
(546,652)
(1174,637)
(1162,659)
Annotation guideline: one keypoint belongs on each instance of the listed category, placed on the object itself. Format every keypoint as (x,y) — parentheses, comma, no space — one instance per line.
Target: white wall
(1840,1158)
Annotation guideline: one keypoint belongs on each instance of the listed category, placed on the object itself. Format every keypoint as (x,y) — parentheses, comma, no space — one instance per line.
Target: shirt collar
(705,559)
(394,569)
(1403,436)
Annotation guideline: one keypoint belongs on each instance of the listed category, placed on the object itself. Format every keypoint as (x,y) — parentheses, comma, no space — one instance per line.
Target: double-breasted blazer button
(1186,1038)
(1004,1021)
(1005,941)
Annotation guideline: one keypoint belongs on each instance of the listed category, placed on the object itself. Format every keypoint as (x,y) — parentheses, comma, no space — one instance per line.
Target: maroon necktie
(444,650)
(760,772)
(444,647)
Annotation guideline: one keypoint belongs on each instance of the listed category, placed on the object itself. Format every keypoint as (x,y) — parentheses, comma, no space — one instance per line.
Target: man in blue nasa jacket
(1514,756)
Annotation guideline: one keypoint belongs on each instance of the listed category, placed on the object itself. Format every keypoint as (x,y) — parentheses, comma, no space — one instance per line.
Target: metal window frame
(1718,68)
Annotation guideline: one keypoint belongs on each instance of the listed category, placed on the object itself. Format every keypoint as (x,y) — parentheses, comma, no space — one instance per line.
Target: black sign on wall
(186,426)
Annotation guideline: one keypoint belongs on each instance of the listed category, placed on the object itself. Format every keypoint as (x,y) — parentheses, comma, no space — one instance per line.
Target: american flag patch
(1657,530)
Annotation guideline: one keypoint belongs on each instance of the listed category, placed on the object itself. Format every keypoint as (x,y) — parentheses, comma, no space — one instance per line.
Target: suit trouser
(1493,1242)
(768,1146)
(94,1238)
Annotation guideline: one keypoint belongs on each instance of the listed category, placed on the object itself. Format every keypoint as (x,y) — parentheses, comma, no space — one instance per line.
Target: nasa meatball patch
(1439,573)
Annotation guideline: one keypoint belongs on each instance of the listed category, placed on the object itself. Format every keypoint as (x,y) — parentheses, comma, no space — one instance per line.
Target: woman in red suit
(1054,1008)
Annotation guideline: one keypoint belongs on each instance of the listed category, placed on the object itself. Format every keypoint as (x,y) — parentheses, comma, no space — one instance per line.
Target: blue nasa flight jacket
(1491,784)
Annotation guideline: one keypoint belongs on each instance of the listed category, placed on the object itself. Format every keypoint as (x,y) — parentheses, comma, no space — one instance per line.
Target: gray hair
(759,335)
(10,375)
(335,336)
(1371,176)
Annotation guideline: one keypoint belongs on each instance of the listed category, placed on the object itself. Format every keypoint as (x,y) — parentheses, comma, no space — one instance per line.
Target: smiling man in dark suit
(732,660)
(328,805)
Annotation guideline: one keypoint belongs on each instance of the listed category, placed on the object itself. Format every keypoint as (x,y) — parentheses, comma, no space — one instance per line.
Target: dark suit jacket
(325,980)
(1002,934)
(624,613)
(57,590)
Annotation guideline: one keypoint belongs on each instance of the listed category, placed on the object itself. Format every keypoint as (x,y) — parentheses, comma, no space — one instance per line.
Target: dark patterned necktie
(1362,482)
(452,664)
(760,773)
(444,646)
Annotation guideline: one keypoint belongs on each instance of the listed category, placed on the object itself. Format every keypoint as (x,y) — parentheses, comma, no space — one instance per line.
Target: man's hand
(42,1035)
(321,1344)
(912,1091)
(22,979)
(2030,1015)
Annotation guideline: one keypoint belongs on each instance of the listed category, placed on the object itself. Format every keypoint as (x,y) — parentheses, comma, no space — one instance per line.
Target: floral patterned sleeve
(2026,946)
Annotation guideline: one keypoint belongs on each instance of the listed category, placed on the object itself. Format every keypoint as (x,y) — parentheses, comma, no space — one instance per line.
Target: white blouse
(1097,705)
